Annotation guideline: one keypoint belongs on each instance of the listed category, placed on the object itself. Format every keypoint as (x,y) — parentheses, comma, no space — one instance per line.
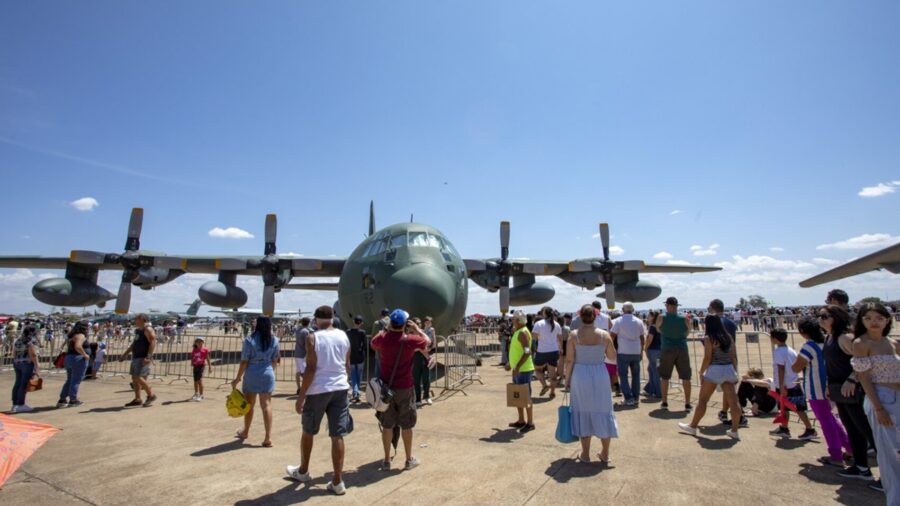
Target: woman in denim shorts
(718,369)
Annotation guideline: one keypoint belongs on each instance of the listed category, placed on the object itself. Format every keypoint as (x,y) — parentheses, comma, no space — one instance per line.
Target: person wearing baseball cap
(675,329)
(395,351)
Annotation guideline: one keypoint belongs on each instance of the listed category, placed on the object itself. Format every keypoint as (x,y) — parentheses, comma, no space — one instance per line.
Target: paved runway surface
(180,452)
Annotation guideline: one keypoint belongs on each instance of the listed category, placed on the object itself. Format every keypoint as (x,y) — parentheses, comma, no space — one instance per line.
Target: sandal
(517,425)
(266,444)
(240,435)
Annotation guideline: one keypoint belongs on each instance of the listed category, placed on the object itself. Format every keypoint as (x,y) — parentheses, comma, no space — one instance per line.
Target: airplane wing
(517,266)
(38,262)
(887,258)
(243,265)
(660,268)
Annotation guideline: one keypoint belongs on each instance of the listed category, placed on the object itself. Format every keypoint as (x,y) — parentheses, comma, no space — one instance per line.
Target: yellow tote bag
(236,404)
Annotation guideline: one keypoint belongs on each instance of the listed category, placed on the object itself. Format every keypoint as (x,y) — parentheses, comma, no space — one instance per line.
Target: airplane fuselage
(410,266)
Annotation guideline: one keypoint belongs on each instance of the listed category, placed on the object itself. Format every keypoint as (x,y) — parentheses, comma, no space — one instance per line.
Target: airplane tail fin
(371,218)
(194,307)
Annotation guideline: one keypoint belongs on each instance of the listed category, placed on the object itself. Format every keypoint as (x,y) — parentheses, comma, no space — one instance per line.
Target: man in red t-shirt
(402,410)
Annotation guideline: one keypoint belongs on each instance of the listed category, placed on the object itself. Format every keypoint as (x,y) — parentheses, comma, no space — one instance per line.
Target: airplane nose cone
(420,289)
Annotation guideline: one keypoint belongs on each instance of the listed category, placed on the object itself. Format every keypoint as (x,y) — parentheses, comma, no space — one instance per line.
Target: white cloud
(663,255)
(85,204)
(700,251)
(676,211)
(879,189)
(230,233)
(862,242)
(824,261)
(616,250)
(776,249)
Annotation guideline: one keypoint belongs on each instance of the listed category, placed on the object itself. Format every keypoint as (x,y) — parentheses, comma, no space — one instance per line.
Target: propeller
(504,267)
(268,266)
(131,260)
(606,268)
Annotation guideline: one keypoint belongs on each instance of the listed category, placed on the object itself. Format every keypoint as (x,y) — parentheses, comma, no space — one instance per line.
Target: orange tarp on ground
(18,440)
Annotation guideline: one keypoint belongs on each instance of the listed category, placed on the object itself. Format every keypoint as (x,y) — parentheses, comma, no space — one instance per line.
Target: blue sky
(760,122)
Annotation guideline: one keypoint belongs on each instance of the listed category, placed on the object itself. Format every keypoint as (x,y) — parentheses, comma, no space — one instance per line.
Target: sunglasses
(824,316)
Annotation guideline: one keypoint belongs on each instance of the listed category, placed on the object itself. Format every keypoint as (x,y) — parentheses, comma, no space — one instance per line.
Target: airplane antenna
(371,218)
(410,218)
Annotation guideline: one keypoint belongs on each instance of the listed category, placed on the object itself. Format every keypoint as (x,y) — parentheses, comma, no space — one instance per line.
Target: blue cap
(398,317)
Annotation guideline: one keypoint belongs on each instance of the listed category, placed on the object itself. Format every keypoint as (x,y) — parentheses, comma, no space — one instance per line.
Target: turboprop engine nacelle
(635,291)
(224,295)
(531,294)
(70,292)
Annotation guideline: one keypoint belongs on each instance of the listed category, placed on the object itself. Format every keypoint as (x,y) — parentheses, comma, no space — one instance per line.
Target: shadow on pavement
(662,414)
(716,444)
(563,470)
(166,403)
(848,491)
(294,492)
(230,446)
(115,409)
(502,436)
(791,444)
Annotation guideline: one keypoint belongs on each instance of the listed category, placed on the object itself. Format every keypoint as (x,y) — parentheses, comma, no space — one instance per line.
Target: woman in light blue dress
(589,383)
(259,355)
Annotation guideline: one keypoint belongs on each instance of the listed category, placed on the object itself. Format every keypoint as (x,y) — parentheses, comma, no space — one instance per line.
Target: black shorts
(198,372)
(550,358)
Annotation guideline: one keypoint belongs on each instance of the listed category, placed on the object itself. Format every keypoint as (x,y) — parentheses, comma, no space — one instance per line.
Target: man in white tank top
(324,392)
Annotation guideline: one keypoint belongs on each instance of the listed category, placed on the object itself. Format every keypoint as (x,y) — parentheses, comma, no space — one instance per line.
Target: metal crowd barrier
(461,360)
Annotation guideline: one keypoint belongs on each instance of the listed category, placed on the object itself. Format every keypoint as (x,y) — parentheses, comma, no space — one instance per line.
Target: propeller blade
(134,229)
(165,262)
(610,296)
(230,264)
(87,257)
(268,303)
(475,265)
(633,265)
(271,233)
(604,239)
(504,299)
(504,240)
(123,300)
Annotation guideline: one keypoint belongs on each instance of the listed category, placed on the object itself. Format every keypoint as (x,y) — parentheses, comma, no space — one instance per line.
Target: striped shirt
(814,374)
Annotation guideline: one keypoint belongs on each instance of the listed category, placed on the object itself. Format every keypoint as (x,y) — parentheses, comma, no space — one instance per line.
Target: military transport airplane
(887,259)
(408,265)
(190,315)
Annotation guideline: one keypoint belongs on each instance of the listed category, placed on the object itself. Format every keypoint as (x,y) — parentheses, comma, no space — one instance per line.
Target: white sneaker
(199,398)
(25,408)
(338,489)
(733,435)
(15,408)
(428,401)
(194,397)
(418,404)
(295,474)
(688,429)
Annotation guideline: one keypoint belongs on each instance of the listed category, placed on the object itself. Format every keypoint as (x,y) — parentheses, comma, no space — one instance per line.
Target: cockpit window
(398,241)
(423,239)
(449,245)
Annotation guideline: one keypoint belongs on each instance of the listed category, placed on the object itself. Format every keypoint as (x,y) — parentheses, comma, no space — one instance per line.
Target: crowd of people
(848,363)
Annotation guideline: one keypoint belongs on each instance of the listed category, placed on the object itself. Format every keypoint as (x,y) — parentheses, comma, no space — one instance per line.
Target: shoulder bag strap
(396,363)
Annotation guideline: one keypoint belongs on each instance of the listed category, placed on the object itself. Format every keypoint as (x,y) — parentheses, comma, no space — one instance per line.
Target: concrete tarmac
(180,452)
